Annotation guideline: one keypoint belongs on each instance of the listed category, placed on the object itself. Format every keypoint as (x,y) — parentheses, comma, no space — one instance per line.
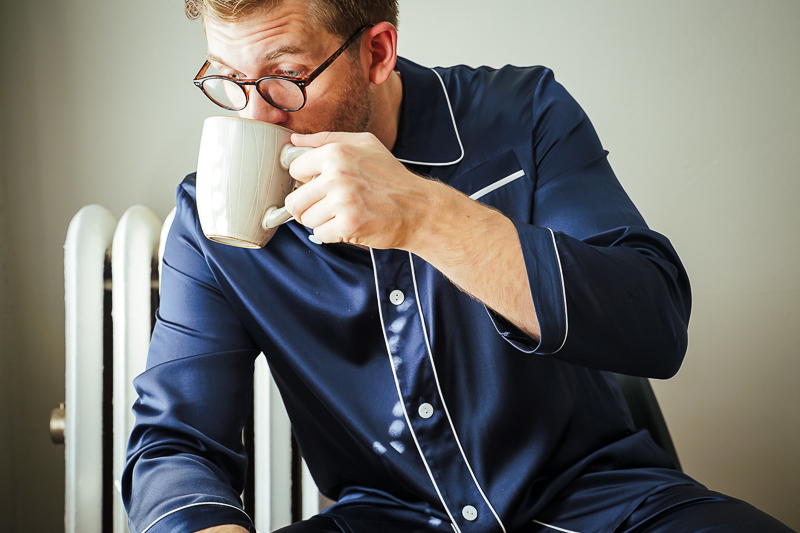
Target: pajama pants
(677,509)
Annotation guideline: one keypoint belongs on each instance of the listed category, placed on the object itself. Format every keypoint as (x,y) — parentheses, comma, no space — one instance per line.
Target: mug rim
(228,117)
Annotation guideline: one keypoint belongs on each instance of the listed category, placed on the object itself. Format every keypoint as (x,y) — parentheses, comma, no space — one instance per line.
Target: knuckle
(351,198)
(325,235)
(338,150)
(338,180)
(347,200)
(351,224)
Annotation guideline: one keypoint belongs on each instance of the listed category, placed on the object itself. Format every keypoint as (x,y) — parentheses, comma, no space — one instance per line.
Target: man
(439,315)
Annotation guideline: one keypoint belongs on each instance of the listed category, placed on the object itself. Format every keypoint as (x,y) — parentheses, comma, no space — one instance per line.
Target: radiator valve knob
(57,422)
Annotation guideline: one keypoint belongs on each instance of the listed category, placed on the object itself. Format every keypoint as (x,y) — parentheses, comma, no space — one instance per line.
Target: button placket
(416,379)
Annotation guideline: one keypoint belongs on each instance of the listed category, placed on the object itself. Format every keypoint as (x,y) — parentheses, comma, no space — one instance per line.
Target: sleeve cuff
(197,516)
(546,283)
(512,333)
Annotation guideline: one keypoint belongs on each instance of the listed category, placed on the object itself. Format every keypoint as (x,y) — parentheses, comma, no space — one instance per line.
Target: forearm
(478,249)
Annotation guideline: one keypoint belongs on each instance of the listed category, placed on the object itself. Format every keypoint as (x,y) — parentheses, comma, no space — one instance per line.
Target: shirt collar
(427,133)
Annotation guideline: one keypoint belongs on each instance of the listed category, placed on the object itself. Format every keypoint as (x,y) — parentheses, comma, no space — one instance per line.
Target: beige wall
(7,395)
(696,101)
(101,110)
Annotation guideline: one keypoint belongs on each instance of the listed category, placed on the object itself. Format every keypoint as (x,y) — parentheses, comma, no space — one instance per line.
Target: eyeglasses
(284,92)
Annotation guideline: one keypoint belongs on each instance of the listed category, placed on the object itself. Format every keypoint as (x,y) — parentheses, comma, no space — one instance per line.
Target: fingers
(335,214)
(354,194)
(330,158)
(307,165)
(309,206)
(332,150)
(315,140)
(302,198)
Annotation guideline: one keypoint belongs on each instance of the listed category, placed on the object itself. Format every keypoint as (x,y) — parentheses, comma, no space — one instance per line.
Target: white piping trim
(455,128)
(563,291)
(145,530)
(444,404)
(497,184)
(400,395)
(554,527)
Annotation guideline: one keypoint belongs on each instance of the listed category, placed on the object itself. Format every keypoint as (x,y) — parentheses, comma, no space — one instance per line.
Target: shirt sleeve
(609,293)
(186,462)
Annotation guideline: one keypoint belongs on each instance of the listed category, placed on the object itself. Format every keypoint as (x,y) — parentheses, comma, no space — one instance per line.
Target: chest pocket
(501,183)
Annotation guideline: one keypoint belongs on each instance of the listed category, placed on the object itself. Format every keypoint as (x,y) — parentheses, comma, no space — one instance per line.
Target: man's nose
(259,109)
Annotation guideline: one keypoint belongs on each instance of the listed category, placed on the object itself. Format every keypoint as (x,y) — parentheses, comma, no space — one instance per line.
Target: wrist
(448,224)
(427,225)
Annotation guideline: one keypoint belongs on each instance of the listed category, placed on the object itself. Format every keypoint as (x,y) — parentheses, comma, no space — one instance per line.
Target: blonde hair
(339,17)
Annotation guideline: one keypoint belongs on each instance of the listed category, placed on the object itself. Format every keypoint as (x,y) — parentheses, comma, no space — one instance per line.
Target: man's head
(250,39)
(339,17)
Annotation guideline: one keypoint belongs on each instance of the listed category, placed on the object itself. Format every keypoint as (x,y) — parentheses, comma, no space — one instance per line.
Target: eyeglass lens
(282,94)
(225,93)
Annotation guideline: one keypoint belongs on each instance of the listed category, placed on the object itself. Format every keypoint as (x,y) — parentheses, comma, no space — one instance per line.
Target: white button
(426,410)
(470,513)
(313,238)
(397,297)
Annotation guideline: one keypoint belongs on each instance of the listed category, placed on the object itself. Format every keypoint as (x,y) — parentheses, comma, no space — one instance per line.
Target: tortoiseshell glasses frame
(283,92)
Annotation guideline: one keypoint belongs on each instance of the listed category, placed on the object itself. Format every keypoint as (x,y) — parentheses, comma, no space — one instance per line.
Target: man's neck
(386,117)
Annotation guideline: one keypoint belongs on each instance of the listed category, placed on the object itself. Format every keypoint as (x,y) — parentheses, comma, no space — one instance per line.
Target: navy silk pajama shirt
(412,403)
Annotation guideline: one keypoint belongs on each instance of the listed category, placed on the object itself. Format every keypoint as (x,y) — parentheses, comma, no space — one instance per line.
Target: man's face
(283,42)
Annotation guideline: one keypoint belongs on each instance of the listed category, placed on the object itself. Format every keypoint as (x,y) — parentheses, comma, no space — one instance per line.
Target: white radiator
(111,272)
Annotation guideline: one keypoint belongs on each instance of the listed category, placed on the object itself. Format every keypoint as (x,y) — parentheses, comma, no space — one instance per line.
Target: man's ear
(379,47)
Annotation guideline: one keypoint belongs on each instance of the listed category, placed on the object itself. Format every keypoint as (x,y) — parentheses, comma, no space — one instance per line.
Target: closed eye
(289,73)
(223,70)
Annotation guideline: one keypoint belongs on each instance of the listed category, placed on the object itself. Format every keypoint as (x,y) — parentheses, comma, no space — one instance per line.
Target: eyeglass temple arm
(335,55)
(308,79)
(202,70)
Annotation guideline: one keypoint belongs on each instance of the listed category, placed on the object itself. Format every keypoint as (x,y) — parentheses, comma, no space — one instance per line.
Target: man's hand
(224,529)
(360,193)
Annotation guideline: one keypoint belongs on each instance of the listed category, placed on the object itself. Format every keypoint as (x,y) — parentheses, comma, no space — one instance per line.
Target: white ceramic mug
(243,179)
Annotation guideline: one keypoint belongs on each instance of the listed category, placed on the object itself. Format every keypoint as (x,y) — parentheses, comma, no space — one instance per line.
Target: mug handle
(275,215)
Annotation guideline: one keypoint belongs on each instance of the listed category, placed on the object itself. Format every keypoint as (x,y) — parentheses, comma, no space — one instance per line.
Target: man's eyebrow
(214,59)
(269,56)
(289,49)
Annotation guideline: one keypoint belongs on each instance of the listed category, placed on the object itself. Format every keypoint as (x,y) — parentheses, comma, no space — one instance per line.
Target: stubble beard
(355,109)
(353,106)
